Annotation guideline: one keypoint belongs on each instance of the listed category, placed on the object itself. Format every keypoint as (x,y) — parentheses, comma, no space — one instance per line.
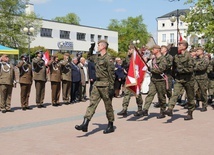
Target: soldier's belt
(102,79)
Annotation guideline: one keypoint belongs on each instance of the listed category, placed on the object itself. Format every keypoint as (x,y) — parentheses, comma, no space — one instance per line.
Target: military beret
(39,51)
(67,54)
(184,42)
(200,48)
(156,47)
(102,41)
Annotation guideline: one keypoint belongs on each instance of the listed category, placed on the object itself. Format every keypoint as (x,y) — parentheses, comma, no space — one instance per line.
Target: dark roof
(180,11)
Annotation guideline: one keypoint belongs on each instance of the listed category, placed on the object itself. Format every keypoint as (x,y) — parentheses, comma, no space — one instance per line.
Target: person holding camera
(25,80)
(40,78)
(55,78)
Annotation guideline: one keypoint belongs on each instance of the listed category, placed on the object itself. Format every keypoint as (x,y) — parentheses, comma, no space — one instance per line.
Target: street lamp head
(31,29)
(138,41)
(134,42)
(25,29)
(172,19)
(182,17)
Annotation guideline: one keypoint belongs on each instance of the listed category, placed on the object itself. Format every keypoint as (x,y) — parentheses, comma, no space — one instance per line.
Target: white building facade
(170,32)
(57,36)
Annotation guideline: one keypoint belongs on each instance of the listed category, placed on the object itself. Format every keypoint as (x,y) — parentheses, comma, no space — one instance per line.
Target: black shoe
(39,106)
(3,111)
(43,106)
(189,116)
(196,104)
(157,105)
(10,110)
(55,105)
(204,109)
(122,113)
(161,115)
(28,108)
(24,109)
(83,126)
(168,112)
(109,129)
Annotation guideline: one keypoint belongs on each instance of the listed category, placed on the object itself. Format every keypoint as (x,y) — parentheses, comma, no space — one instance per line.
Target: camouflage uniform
(210,73)
(183,66)
(201,84)
(169,60)
(157,84)
(104,67)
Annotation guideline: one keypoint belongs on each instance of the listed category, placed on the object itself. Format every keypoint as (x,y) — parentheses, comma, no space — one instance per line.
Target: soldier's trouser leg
(203,84)
(139,102)
(169,90)
(126,98)
(25,94)
(150,96)
(5,94)
(161,91)
(40,91)
(83,91)
(96,95)
(55,87)
(66,90)
(177,91)
(190,95)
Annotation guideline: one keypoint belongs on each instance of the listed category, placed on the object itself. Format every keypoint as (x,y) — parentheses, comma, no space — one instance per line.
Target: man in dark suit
(92,74)
(76,79)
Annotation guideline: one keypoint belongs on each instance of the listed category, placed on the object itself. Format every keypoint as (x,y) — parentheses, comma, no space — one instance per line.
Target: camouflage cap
(156,47)
(184,42)
(39,51)
(23,55)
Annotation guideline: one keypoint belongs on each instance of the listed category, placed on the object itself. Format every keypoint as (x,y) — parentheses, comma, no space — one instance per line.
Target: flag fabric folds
(46,57)
(136,73)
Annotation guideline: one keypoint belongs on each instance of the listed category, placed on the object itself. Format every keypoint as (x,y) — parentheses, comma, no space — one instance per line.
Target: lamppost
(178,16)
(29,31)
(135,42)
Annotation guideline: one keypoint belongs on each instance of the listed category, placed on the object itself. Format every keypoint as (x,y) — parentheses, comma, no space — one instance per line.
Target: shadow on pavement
(174,117)
(100,127)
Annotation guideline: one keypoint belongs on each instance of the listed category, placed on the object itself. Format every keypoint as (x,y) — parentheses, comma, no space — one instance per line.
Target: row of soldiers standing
(60,71)
(189,72)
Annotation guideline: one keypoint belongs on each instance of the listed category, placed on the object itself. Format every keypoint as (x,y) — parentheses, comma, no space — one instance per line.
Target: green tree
(128,30)
(70,18)
(201,21)
(13,20)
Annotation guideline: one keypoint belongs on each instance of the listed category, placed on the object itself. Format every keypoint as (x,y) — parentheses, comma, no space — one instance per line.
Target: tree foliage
(70,18)
(128,30)
(13,20)
(201,21)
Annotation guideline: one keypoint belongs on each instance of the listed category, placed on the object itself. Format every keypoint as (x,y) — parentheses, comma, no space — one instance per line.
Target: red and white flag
(136,73)
(46,57)
(180,36)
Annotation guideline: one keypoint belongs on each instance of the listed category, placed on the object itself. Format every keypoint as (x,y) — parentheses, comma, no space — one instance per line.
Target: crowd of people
(169,77)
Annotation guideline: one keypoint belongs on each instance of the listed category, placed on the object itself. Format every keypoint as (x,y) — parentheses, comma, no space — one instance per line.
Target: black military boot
(189,116)
(109,129)
(196,103)
(168,112)
(122,113)
(157,105)
(204,109)
(161,115)
(179,99)
(209,101)
(83,126)
(139,111)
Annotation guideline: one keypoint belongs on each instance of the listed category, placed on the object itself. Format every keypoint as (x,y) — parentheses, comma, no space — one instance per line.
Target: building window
(171,37)
(163,37)
(92,37)
(81,36)
(172,24)
(181,23)
(99,37)
(106,38)
(163,24)
(64,34)
(46,32)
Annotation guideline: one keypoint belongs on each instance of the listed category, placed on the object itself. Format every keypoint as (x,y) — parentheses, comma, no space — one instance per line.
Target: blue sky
(97,13)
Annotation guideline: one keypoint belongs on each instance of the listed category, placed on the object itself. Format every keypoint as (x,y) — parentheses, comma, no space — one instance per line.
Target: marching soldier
(200,72)
(40,77)
(66,78)
(183,66)
(25,80)
(7,82)
(159,82)
(128,93)
(210,73)
(103,87)
(55,78)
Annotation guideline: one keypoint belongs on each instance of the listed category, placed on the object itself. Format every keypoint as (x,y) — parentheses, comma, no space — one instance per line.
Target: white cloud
(120,10)
(39,1)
